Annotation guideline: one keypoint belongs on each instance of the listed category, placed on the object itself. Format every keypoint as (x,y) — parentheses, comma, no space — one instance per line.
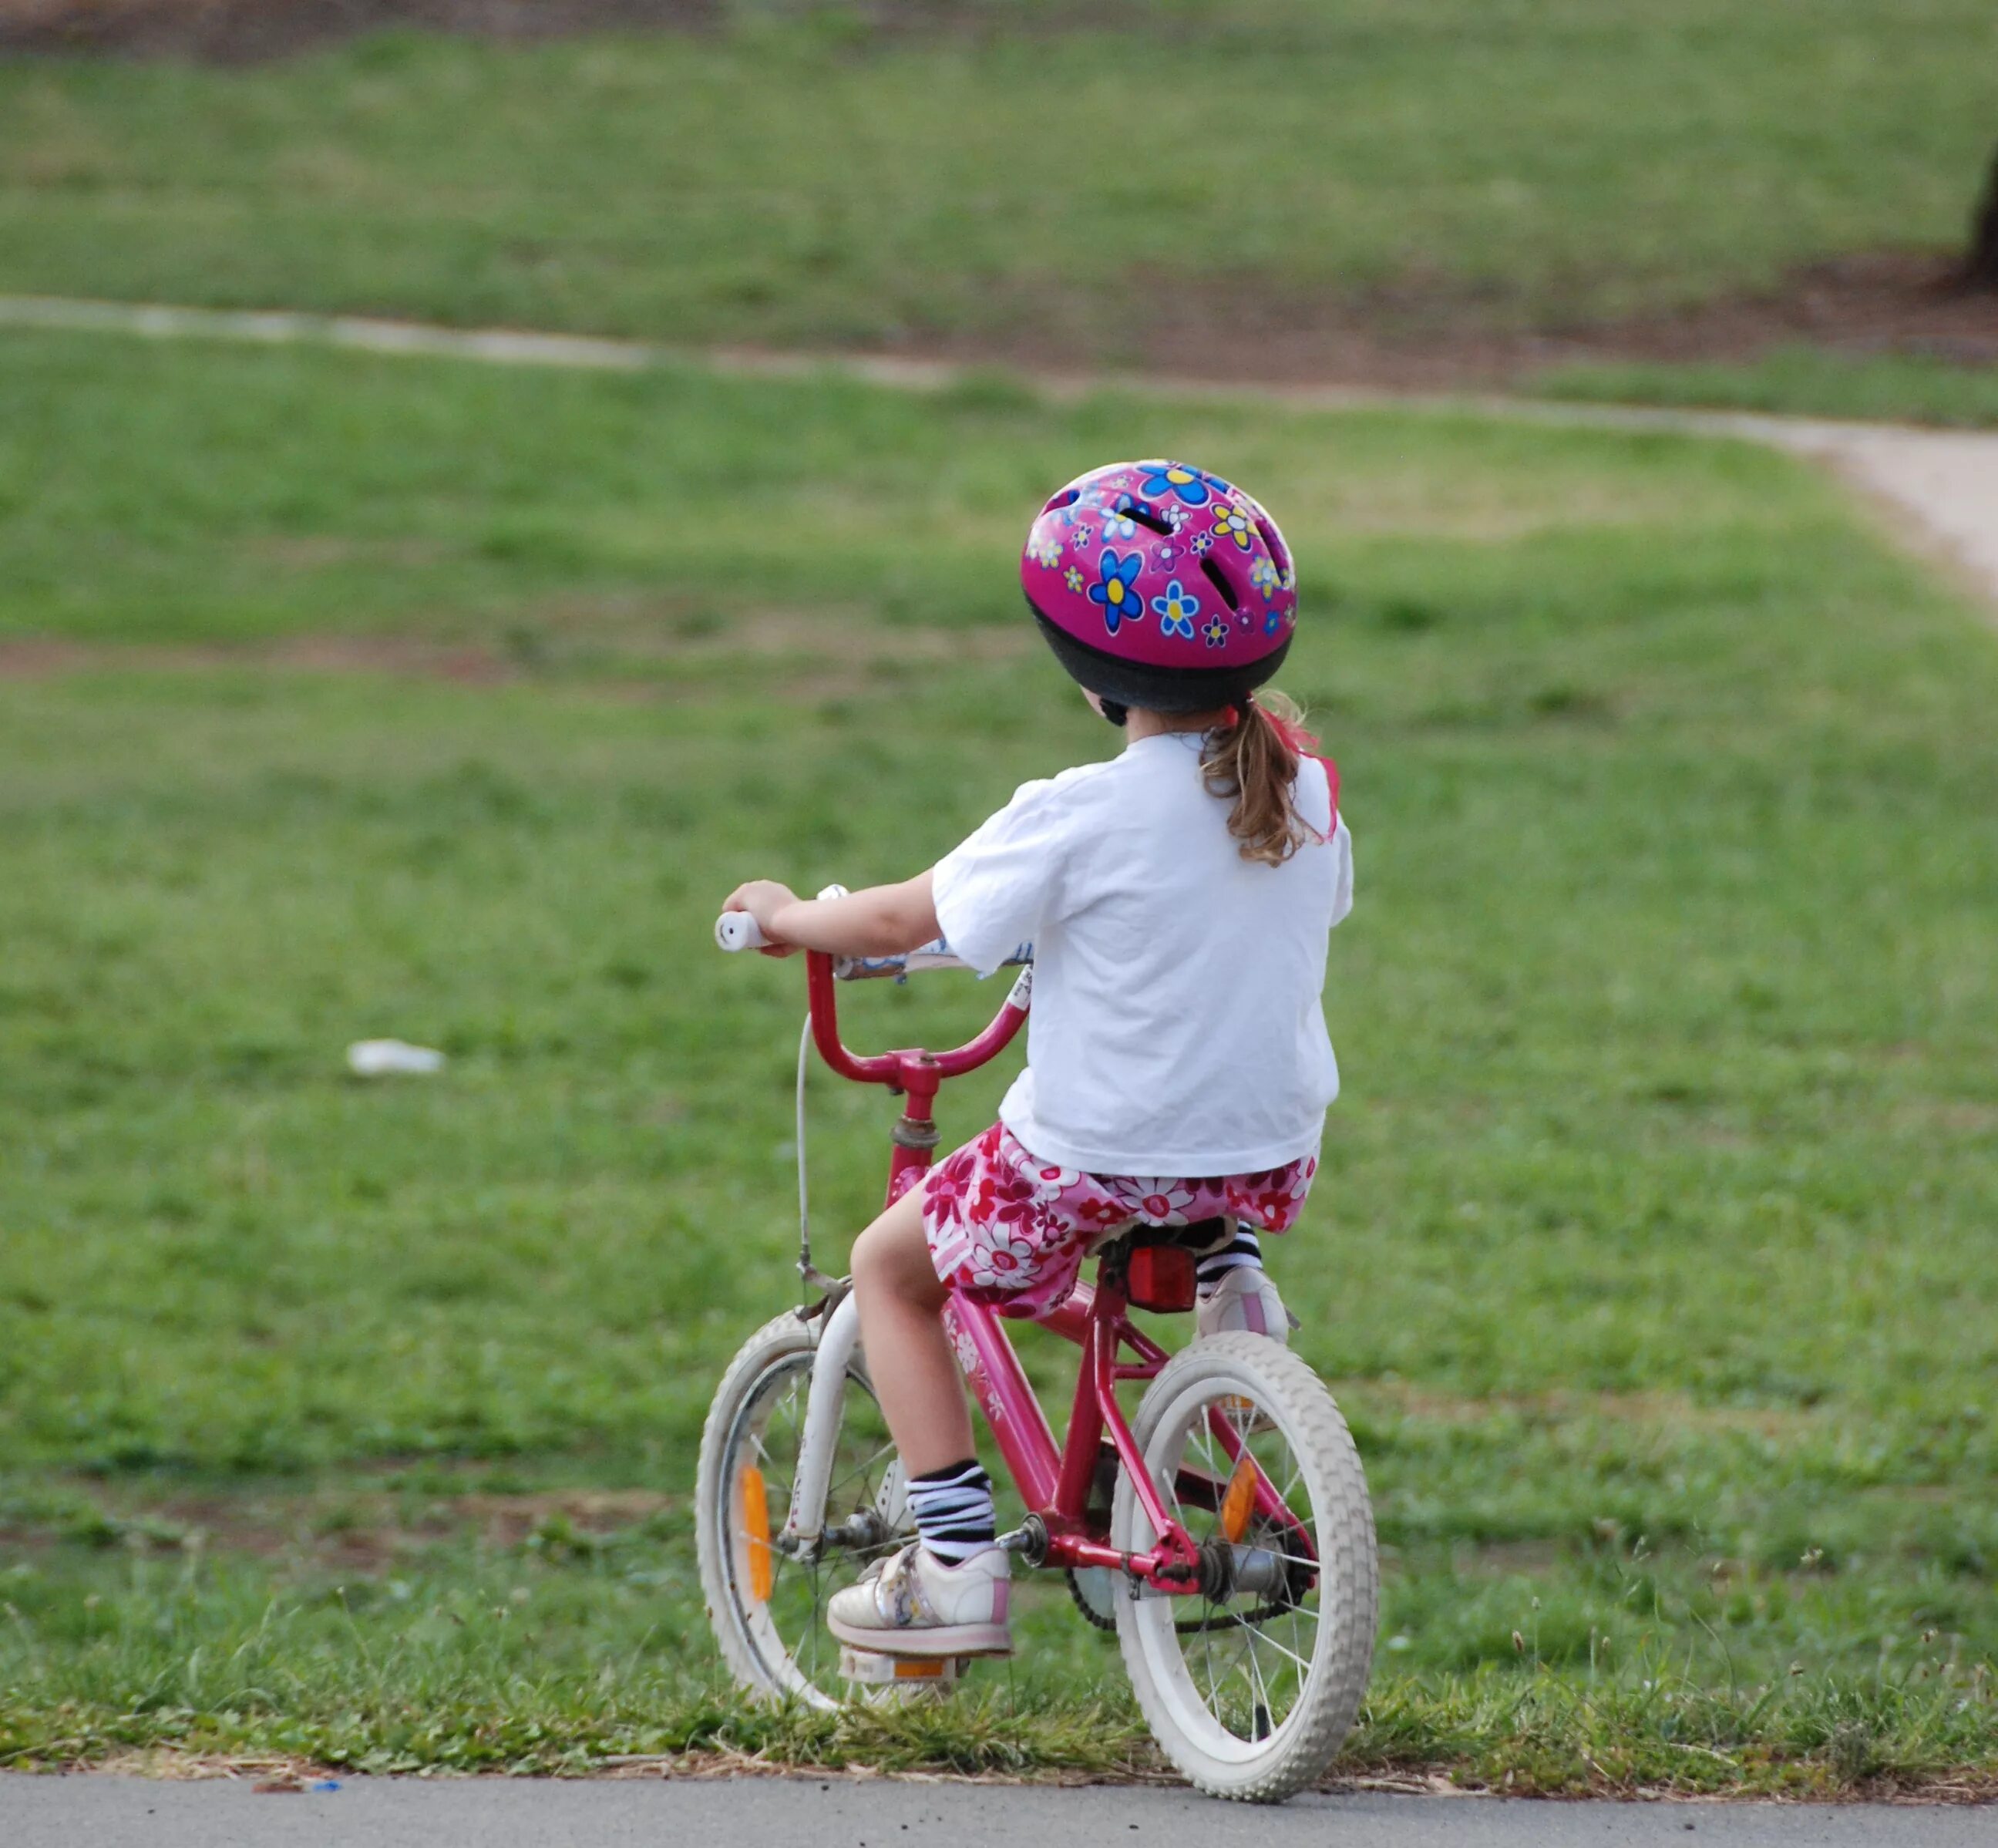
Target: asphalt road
(102,1811)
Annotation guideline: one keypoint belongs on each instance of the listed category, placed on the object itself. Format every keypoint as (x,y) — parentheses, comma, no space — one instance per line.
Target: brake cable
(809,1276)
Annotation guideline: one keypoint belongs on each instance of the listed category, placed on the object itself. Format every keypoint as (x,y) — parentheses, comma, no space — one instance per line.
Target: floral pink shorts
(1011,1232)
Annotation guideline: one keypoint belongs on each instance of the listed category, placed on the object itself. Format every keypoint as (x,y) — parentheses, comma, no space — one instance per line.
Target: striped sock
(1244,1249)
(953,1508)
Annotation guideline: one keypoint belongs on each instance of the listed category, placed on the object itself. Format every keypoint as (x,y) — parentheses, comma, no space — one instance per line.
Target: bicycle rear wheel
(1250,1686)
(768,1607)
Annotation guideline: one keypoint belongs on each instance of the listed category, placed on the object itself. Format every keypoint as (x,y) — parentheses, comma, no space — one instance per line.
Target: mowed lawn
(343,697)
(1079,182)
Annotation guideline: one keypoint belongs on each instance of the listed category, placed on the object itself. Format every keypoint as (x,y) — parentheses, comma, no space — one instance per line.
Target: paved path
(101,1811)
(1943,483)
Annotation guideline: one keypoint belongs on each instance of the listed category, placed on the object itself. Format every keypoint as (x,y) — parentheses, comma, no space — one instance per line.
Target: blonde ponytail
(1255,761)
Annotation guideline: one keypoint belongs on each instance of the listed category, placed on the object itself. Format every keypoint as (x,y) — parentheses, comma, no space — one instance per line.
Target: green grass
(1070,186)
(1650,1260)
(1797,380)
(464,1660)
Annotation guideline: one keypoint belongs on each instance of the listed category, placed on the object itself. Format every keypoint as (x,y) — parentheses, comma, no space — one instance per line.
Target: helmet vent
(1144,517)
(1219,578)
(1275,540)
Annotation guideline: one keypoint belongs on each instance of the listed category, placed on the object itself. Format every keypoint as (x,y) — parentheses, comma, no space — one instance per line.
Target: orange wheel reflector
(908,1668)
(1239,1502)
(756,1532)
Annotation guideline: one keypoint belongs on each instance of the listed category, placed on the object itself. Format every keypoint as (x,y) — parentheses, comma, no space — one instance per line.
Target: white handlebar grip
(738,930)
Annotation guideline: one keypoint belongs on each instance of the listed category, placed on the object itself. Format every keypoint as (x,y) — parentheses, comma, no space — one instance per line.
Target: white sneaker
(913,1604)
(1243,1301)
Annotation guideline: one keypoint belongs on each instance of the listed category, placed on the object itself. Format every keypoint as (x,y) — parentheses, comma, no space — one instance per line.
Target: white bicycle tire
(1300,1749)
(755,1652)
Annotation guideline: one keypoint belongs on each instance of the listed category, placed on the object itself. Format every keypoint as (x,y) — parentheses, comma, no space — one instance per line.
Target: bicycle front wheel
(768,1605)
(1249,1687)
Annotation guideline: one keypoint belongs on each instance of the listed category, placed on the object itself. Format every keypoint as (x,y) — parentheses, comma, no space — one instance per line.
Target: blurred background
(347,694)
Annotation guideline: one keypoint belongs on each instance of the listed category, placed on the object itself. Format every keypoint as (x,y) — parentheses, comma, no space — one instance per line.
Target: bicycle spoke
(1256,1671)
(1231,1672)
(867,1462)
(1290,1482)
(1277,1553)
(1258,1633)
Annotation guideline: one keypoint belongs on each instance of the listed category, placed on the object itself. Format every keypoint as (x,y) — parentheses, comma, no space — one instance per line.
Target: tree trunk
(1980,262)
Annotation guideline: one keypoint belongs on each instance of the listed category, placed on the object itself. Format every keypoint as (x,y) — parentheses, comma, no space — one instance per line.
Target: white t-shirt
(1176,1027)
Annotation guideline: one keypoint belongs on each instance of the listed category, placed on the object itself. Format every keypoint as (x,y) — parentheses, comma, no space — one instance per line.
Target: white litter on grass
(384,1058)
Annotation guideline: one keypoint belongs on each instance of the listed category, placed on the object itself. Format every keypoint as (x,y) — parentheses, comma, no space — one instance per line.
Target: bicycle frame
(1056,1483)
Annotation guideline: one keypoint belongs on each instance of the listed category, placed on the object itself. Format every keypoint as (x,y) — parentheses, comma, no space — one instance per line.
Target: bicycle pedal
(910,1674)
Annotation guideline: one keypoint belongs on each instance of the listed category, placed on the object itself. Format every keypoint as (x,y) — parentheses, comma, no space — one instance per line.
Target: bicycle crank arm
(1163,1572)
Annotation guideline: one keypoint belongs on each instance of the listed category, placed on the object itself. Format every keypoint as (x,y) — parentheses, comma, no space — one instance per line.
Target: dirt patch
(35,659)
(255,31)
(363,1531)
(1958,1116)
(249,31)
(615,650)
(1653,1411)
(1506,1559)
(322,552)
(830,633)
(278,1774)
(1432,335)
(1391,1774)
(1909,302)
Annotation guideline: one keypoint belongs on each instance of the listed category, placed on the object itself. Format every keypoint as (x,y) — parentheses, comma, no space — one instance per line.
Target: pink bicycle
(1223,1530)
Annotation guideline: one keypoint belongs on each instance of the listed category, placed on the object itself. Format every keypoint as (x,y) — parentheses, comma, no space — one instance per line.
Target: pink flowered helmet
(1158,584)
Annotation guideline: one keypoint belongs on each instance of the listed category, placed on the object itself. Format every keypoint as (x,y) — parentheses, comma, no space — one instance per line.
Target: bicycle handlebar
(916,1073)
(736,930)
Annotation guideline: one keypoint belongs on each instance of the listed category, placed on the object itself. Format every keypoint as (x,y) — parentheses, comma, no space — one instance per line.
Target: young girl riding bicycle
(1178,898)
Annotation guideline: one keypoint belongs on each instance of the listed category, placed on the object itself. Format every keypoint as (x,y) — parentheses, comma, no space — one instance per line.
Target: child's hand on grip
(762,899)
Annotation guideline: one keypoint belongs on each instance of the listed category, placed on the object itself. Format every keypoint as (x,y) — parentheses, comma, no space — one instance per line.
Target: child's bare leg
(946,1595)
(909,1357)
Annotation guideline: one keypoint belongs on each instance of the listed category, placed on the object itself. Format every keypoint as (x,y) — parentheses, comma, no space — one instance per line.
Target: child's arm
(884,920)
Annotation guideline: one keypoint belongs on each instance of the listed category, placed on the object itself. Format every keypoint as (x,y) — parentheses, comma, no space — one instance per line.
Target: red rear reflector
(1161,1277)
